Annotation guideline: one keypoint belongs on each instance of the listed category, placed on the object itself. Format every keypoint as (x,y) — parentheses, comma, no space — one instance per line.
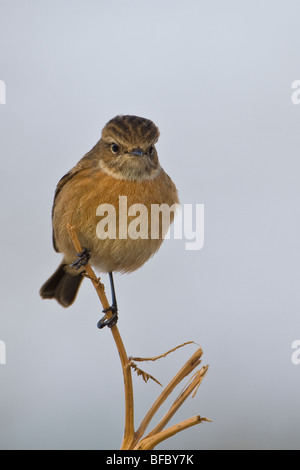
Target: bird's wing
(88,161)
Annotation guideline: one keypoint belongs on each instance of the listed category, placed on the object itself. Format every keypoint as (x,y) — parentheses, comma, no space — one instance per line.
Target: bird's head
(127,148)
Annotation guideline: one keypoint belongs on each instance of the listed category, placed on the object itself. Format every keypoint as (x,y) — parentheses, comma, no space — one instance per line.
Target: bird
(123,163)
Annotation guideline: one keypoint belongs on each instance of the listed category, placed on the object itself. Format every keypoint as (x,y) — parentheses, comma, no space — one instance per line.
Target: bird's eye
(115,148)
(151,150)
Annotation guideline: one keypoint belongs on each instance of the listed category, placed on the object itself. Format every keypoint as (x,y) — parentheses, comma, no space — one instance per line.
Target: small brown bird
(124,162)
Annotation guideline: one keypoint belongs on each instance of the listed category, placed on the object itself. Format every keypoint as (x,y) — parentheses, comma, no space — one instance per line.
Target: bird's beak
(138,152)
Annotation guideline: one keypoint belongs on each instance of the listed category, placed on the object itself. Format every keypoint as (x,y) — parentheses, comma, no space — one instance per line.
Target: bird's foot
(83,258)
(110,322)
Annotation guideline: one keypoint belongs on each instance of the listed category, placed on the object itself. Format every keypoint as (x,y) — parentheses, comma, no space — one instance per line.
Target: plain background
(216,78)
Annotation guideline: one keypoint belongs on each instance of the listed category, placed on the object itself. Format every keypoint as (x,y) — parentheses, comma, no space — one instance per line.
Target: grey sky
(216,78)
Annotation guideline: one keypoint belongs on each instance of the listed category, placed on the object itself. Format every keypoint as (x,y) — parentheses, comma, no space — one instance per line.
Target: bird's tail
(62,286)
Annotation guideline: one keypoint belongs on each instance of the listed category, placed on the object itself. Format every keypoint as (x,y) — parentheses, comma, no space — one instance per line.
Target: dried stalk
(132,439)
(144,374)
(185,393)
(129,403)
(189,366)
(150,442)
(155,358)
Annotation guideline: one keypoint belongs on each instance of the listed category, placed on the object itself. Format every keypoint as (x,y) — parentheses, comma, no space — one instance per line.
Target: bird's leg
(83,258)
(113,293)
(113,309)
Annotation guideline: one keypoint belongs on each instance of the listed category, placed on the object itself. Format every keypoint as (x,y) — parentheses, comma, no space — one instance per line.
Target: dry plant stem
(148,443)
(194,384)
(189,366)
(155,358)
(131,439)
(129,407)
(144,374)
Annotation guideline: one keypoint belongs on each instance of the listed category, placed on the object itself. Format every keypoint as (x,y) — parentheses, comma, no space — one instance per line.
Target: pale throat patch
(133,174)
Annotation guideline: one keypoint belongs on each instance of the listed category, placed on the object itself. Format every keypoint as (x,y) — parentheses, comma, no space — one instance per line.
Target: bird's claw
(110,322)
(83,258)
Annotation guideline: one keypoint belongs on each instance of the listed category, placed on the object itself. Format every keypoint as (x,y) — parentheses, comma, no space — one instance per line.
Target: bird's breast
(113,218)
